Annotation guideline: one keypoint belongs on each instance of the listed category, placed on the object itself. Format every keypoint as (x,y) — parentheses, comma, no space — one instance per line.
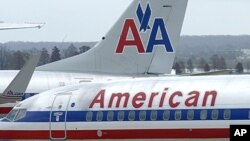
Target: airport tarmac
(142,140)
(166,140)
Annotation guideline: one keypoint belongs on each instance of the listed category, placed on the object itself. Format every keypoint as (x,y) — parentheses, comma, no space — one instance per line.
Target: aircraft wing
(19,84)
(8,26)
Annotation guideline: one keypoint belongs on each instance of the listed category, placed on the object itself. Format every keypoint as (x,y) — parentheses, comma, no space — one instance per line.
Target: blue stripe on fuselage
(80,116)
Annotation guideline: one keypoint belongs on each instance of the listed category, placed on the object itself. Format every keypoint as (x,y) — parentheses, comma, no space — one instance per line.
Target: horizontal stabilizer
(7,26)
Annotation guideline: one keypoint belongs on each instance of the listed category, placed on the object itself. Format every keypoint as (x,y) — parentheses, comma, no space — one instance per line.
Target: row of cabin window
(153,115)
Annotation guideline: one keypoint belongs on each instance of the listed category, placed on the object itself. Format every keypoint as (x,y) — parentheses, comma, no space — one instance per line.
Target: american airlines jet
(188,107)
(176,108)
(141,43)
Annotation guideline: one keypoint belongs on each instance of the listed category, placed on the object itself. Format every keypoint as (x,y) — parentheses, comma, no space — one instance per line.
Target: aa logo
(158,28)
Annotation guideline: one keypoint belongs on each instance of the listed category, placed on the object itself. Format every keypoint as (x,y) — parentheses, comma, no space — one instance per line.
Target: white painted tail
(142,41)
(19,84)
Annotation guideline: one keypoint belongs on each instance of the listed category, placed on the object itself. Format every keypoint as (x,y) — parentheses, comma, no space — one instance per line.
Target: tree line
(14,60)
(215,63)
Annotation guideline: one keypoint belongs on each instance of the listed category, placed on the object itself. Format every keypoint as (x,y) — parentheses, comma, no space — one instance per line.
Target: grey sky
(89,20)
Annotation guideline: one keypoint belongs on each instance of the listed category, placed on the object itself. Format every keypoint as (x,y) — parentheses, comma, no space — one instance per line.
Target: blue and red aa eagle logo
(130,27)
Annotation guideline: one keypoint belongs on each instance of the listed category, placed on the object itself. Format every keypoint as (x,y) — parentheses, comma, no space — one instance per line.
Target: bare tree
(182,66)
(71,51)
(222,63)
(201,64)
(190,66)
(239,68)
(206,67)
(177,68)
(215,61)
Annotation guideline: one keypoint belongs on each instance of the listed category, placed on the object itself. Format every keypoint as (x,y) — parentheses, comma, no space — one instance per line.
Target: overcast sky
(89,20)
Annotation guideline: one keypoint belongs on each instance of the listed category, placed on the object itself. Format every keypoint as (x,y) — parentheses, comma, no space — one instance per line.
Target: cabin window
(142,115)
(249,114)
(89,116)
(61,84)
(178,115)
(153,115)
(120,115)
(227,114)
(190,114)
(203,114)
(99,116)
(166,115)
(131,115)
(12,115)
(110,115)
(21,114)
(215,114)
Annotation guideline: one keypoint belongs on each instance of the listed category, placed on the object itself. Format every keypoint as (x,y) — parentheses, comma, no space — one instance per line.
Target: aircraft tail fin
(19,84)
(142,41)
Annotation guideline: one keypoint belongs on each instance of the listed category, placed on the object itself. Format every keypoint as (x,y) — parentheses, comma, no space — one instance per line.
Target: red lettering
(99,99)
(163,97)
(212,94)
(119,99)
(152,99)
(119,96)
(130,24)
(139,100)
(193,100)
(171,99)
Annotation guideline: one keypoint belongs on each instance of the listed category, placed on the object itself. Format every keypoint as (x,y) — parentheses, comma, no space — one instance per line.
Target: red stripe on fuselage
(121,134)
(5,110)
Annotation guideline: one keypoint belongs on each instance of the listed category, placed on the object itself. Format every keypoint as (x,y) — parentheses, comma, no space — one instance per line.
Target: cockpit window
(12,115)
(16,114)
(21,114)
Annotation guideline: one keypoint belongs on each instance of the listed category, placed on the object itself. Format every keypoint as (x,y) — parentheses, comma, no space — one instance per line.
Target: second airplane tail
(142,41)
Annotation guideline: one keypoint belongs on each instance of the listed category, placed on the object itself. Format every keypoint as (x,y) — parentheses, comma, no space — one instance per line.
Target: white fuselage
(44,80)
(170,107)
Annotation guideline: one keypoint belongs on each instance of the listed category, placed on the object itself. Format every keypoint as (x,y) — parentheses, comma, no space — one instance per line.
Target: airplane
(134,47)
(184,108)
(8,26)
(156,108)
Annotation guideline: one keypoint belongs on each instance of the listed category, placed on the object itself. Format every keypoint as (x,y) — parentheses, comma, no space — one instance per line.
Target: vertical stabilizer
(19,84)
(142,41)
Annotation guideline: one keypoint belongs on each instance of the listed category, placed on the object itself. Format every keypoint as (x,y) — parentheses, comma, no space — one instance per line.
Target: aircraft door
(58,115)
